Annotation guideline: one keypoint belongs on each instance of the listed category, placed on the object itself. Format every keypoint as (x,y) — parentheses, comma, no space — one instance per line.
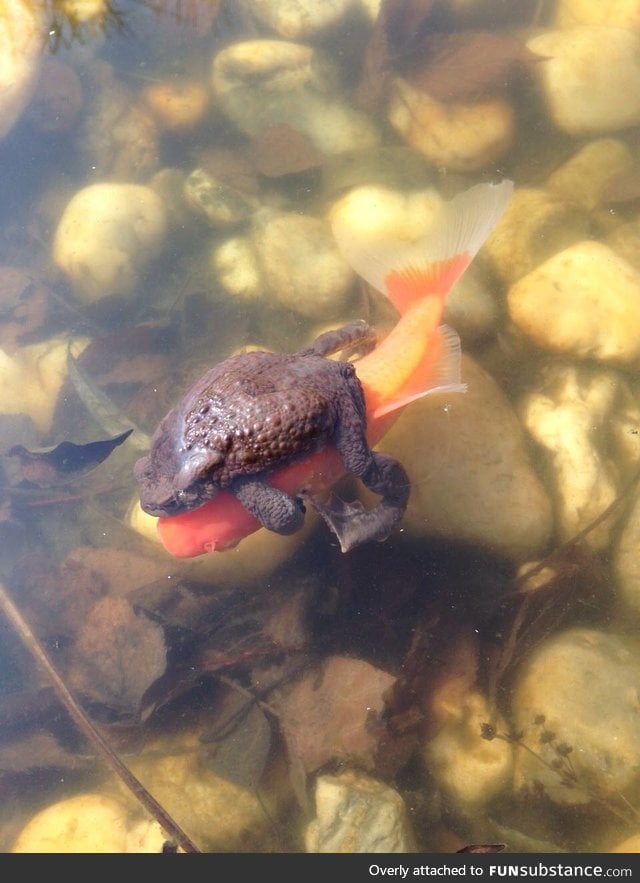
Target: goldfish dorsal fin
(439,373)
(407,271)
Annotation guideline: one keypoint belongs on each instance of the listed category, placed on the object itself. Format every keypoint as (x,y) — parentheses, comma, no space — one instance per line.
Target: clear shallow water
(165,655)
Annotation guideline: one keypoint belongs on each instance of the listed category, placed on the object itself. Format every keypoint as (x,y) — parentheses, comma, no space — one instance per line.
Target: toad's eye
(195,467)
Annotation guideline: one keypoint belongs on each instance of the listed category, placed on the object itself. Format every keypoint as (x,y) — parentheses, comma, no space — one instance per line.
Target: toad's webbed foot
(352,523)
(274,509)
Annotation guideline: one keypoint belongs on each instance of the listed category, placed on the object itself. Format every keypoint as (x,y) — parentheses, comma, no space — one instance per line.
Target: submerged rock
(589,78)
(261,83)
(585,420)
(106,237)
(581,179)
(32,377)
(91,823)
(301,265)
(535,225)
(613,13)
(576,705)
(471,770)
(221,204)
(357,813)
(471,477)
(299,19)
(583,301)
(460,137)
(627,561)
(22,39)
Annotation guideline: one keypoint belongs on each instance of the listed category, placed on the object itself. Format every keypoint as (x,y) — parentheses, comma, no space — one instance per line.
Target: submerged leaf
(101,407)
(239,747)
(334,714)
(466,66)
(404,23)
(398,29)
(282,150)
(25,305)
(118,655)
(38,751)
(67,459)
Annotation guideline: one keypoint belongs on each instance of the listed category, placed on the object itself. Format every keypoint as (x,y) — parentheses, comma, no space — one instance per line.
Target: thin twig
(88,729)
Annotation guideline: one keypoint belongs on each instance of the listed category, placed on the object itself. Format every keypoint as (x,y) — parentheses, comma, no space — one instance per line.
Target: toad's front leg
(273,508)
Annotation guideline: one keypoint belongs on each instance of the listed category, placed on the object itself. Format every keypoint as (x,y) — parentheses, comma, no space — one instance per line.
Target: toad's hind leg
(274,509)
(356,335)
(351,522)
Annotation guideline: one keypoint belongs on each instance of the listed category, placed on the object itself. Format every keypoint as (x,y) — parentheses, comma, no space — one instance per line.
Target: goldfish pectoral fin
(439,373)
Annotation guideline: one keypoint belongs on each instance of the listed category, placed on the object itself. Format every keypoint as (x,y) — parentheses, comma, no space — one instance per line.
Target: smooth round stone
(625,241)
(357,813)
(580,416)
(302,267)
(89,823)
(581,179)
(576,704)
(106,237)
(222,205)
(22,41)
(32,377)
(471,308)
(299,19)
(177,105)
(589,78)
(471,770)
(459,137)
(627,560)
(535,225)
(613,13)
(373,212)
(235,265)
(261,83)
(471,477)
(219,813)
(395,167)
(583,302)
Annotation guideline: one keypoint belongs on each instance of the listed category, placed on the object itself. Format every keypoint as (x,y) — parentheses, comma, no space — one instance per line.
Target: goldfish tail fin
(439,372)
(408,271)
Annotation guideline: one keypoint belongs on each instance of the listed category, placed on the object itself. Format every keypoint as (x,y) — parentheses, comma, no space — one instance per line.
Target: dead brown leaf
(238,746)
(334,712)
(50,466)
(38,751)
(117,656)
(466,66)
(230,166)
(25,305)
(281,150)
(398,28)
(123,570)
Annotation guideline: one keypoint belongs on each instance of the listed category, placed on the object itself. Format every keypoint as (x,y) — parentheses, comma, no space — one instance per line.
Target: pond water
(183,180)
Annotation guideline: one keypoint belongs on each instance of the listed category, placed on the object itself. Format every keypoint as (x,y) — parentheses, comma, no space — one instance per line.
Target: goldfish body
(239,452)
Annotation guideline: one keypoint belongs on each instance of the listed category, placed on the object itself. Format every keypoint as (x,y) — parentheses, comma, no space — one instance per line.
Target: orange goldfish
(418,357)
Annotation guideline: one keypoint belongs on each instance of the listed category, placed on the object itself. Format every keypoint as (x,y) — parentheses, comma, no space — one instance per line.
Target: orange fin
(439,372)
(407,271)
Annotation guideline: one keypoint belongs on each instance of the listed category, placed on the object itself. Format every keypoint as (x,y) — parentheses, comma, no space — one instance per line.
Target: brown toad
(258,411)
